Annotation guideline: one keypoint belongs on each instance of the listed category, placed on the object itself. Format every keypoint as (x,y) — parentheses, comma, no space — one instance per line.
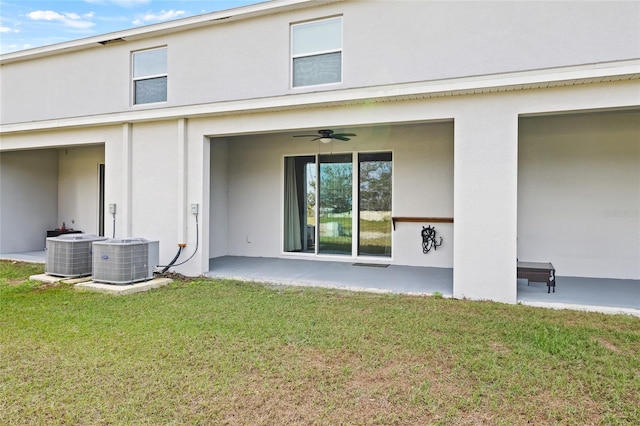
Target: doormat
(372,265)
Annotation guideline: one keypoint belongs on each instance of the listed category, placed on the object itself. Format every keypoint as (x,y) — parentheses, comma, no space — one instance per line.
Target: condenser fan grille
(70,256)
(124,261)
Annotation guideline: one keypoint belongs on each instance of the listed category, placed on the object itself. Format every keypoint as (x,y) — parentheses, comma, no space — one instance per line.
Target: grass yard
(224,352)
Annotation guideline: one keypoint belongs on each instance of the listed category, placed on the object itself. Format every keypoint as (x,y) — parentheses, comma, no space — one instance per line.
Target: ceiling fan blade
(327,134)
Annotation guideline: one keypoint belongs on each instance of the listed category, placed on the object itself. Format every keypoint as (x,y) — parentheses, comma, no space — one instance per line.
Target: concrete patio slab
(121,290)
(587,294)
(31,257)
(339,275)
(46,278)
(577,293)
(115,289)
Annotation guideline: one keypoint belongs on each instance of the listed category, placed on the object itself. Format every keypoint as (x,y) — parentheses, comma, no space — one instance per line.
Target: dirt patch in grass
(177,277)
(47,286)
(317,387)
(607,344)
(499,348)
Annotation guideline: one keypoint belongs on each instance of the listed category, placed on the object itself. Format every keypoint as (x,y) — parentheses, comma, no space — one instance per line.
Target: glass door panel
(310,207)
(299,204)
(374,210)
(335,204)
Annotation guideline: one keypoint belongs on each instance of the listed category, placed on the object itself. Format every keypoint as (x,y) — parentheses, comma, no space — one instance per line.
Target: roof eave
(183,24)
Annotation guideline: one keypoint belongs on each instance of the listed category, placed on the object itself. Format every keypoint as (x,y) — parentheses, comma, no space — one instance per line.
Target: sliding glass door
(319,204)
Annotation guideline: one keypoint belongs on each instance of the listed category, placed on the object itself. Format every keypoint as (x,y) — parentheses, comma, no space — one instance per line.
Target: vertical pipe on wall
(182,180)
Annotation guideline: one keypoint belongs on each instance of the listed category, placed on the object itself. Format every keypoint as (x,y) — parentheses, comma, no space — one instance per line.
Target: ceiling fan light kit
(327,135)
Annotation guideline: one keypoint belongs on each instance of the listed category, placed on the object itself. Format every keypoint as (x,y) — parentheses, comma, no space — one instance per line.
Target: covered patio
(588,294)
(614,296)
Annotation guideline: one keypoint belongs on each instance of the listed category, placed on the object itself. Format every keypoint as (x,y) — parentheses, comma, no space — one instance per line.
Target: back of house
(511,128)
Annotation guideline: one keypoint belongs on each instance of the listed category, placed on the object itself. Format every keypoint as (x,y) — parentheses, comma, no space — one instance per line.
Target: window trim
(134,79)
(316,53)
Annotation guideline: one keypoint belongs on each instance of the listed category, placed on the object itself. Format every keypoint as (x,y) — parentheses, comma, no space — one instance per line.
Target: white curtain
(292,240)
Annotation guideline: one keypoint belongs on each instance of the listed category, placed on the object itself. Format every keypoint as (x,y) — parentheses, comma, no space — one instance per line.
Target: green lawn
(224,352)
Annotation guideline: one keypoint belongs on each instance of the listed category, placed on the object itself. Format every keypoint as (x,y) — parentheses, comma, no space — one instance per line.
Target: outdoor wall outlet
(112,209)
(194,208)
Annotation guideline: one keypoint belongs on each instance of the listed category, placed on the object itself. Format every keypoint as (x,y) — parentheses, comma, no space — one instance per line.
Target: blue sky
(25,24)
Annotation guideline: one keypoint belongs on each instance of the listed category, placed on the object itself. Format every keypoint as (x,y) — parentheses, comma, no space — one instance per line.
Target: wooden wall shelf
(420,220)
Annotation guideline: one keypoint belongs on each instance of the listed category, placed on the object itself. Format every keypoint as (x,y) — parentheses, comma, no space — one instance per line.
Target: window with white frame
(316,50)
(149,76)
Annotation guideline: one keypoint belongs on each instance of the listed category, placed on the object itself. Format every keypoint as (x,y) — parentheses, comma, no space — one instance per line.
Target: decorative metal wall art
(429,239)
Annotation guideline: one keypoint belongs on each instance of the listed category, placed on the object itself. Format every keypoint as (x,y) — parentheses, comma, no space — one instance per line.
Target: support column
(183,202)
(192,154)
(485,201)
(196,191)
(205,216)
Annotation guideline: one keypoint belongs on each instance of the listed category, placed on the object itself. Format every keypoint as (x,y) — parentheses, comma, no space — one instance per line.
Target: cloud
(4,30)
(130,3)
(72,20)
(19,46)
(164,15)
(45,15)
(121,3)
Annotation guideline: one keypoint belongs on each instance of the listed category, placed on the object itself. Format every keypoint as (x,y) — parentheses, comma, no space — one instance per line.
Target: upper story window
(150,76)
(316,50)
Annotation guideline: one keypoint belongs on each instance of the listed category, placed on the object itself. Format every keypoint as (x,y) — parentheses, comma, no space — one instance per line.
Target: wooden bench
(538,272)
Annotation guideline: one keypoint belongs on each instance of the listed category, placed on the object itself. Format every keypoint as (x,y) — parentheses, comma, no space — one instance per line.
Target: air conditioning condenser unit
(124,260)
(70,255)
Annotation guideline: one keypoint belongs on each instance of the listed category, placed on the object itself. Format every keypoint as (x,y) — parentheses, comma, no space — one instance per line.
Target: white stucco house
(513,128)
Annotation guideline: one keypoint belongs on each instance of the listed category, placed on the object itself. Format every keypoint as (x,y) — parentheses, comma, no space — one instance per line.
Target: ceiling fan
(326,136)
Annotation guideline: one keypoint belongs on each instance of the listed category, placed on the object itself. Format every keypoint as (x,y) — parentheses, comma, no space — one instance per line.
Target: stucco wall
(73,84)
(154,186)
(385,42)
(218,204)
(78,187)
(390,41)
(28,199)
(579,193)
(422,187)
